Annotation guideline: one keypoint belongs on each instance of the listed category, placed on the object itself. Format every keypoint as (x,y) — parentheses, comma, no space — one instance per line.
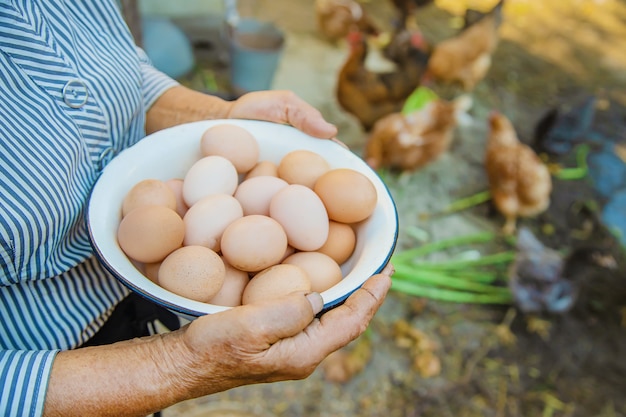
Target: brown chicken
(370,95)
(519,182)
(466,57)
(409,142)
(336,18)
(406,8)
(403,39)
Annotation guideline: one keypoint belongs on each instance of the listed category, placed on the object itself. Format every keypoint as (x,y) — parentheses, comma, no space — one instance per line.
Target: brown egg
(149,192)
(322,270)
(289,251)
(348,195)
(232,142)
(150,233)
(303,216)
(340,243)
(210,175)
(206,220)
(176,185)
(151,271)
(302,167)
(253,243)
(276,281)
(146,269)
(255,194)
(194,272)
(234,283)
(267,168)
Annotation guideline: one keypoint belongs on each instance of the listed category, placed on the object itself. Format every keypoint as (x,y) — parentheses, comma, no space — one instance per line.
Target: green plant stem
(582,168)
(208,80)
(440,294)
(493,259)
(475,276)
(428,248)
(438,279)
(467,202)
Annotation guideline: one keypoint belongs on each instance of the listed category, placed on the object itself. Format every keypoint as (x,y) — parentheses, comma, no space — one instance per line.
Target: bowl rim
(170,301)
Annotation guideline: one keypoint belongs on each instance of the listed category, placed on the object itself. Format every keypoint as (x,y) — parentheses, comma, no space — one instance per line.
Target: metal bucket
(256,48)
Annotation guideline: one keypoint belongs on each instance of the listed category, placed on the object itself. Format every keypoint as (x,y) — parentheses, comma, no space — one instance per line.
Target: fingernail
(337,141)
(389,269)
(317,303)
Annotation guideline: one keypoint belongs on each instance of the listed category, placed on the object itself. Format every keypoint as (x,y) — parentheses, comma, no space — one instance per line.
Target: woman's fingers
(282,107)
(255,327)
(306,118)
(339,326)
(346,322)
(281,338)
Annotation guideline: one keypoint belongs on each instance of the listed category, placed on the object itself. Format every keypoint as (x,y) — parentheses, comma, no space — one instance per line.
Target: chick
(519,182)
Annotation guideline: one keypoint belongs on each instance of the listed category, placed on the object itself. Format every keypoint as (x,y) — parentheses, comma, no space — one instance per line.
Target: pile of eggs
(236,229)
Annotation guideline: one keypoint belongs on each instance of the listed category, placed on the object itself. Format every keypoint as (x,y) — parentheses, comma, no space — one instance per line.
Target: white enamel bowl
(170,153)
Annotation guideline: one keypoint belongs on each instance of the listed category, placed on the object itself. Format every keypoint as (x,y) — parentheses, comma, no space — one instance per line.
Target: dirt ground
(428,358)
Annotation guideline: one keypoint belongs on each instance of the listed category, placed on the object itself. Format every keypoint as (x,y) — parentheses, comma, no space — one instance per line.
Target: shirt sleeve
(24,376)
(155,82)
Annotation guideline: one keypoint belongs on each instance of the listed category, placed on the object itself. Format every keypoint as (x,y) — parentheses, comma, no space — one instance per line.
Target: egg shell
(255,194)
(209,175)
(274,282)
(303,216)
(267,168)
(194,272)
(289,251)
(148,192)
(148,270)
(322,270)
(253,243)
(176,185)
(206,220)
(232,142)
(302,167)
(150,233)
(151,271)
(340,243)
(230,294)
(348,195)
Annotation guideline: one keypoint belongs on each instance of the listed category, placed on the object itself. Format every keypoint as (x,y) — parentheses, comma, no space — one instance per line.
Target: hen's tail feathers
(497,11)
(473,16)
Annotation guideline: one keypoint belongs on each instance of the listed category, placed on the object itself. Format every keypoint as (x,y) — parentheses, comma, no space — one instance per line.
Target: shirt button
(75,93)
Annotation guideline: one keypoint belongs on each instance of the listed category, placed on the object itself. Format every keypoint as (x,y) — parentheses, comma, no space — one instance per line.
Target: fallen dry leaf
(343,364)
(427,364)
(421,347)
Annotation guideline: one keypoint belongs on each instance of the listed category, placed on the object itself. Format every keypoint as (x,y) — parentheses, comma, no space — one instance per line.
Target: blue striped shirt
(74,91)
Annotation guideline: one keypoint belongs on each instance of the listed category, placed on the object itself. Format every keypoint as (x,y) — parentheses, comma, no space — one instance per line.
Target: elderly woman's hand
(277,340)
(182,105)
(282,107)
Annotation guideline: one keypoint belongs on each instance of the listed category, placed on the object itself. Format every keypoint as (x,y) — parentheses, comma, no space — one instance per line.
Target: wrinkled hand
(276,340)
(281,106)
